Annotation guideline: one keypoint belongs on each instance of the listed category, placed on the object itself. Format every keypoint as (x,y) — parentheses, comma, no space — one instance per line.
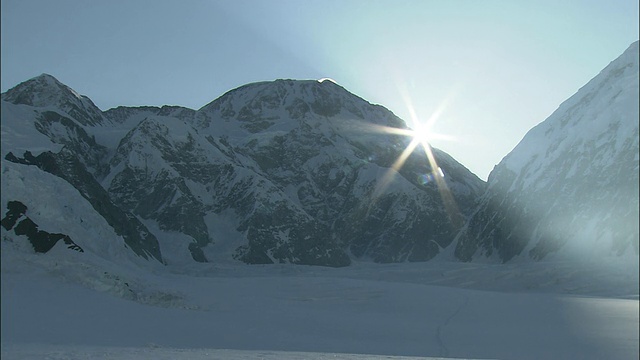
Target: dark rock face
(16,210)
(75,140)
(123,113)
(159,193)
(196,253)
(41,241)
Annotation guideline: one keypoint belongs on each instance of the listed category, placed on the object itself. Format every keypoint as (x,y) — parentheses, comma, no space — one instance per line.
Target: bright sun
(421,134)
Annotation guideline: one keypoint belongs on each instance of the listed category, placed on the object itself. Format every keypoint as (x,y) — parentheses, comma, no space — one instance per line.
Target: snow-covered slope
(570,187)
(46,130)
(92,254)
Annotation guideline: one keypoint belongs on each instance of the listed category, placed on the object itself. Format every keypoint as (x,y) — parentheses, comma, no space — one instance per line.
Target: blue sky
(494,68)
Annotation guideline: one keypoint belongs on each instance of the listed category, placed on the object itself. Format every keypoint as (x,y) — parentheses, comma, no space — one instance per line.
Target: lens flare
(425,179)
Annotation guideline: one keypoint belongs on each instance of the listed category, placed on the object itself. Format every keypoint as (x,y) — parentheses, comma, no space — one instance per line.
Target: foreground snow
(156,353)
(62,307)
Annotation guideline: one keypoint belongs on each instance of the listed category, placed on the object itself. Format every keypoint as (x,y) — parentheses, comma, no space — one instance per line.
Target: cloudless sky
(495,68)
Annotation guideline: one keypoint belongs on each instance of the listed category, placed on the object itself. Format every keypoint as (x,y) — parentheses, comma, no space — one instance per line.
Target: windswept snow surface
(52,352)
(65,307)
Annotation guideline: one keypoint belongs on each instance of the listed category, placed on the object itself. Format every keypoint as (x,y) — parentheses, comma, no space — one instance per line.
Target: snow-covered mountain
(570,187)
(283,171)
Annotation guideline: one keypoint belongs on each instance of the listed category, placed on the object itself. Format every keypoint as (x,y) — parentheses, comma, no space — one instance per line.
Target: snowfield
(63,305)
(154,353)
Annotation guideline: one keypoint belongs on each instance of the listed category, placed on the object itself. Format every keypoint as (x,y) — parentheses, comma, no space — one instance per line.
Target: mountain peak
(258,106)
(284,87)
(45,90)
(28,92)
(48,78)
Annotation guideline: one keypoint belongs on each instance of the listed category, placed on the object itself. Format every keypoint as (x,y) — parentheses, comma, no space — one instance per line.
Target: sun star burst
(420,134)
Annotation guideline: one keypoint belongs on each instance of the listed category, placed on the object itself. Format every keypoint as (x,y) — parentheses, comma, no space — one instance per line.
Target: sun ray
(387,178)
(450,206)
(421,135)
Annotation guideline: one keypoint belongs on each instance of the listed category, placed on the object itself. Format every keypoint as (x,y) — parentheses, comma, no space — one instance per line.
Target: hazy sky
(500,67)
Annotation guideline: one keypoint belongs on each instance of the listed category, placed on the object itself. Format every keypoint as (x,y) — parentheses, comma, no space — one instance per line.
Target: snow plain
(60,306)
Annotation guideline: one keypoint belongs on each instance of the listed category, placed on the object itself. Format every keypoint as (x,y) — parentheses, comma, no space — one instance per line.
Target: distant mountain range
(297,171)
